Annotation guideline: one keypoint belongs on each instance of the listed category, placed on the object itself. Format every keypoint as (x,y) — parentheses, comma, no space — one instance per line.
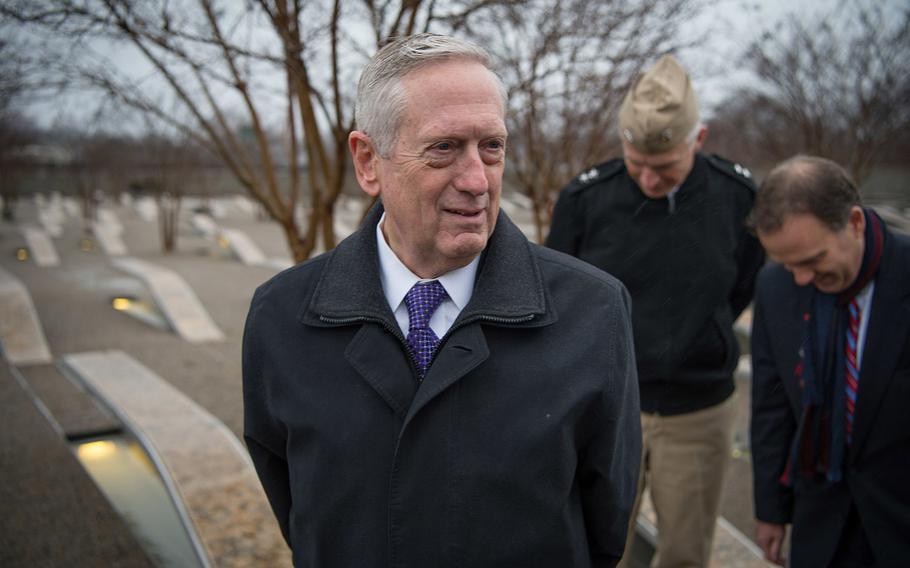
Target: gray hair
(381,97)
(804,185)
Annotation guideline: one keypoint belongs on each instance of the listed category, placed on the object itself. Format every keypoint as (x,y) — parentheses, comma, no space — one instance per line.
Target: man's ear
(365,159)
(700,138)
(857,221)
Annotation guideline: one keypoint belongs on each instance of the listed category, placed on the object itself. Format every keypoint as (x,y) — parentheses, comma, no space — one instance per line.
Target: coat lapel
(886,340)
(509,291)
(379,358)
(349,292)
(460,354)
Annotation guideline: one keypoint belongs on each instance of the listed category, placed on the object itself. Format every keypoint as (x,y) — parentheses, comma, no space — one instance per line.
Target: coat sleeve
(265,438)
(773,424)
(566,226)
(749,259)
(609,468)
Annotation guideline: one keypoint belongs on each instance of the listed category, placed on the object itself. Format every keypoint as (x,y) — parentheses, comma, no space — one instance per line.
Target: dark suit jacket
(877,469)
(520,447)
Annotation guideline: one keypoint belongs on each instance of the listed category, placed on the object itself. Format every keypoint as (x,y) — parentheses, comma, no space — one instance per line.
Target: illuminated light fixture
(22,254)
(139,309)
(97,450)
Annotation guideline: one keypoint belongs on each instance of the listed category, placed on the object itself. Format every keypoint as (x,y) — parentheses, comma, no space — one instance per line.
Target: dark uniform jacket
(689,265)
(877,469)
(520,447)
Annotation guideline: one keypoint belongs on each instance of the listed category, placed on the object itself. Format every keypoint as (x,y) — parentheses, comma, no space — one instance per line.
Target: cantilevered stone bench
(240,245)
(51,219)
(147,209)
(182,309)
(109,219)
(21,333)
(41,246)
(53,514)
(243,247)
(71,208)
(202,462)
(110,239)
(245,205)
(204,225)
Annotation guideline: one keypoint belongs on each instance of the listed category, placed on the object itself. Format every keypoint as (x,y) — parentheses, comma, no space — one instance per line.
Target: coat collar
(887,334)
(508,291)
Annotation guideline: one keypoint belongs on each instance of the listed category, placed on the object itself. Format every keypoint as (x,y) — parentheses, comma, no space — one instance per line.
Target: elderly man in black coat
(437,391)
(831,374)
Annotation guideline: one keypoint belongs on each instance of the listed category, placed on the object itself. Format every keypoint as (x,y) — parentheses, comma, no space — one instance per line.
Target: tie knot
(421,301)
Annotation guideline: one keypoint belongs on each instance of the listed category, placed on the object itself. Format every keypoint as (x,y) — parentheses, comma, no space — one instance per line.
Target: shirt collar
(397,279)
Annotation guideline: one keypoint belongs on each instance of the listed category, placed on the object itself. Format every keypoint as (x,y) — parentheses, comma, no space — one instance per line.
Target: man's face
(441,184)
(657,174)
(829,260)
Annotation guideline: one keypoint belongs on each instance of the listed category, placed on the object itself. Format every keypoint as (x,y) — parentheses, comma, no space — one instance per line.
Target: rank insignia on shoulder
(742,170)
(587,176)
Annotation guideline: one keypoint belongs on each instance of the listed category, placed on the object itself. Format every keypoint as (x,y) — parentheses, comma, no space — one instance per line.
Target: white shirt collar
(397,279)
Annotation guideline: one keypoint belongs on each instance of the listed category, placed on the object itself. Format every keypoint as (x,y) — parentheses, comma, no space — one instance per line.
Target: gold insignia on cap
(660,109)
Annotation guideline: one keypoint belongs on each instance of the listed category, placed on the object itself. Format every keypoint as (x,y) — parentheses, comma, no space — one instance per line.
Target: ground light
(140,309)
(128,478)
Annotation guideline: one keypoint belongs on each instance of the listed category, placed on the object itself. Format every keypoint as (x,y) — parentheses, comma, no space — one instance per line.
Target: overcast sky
(730,25)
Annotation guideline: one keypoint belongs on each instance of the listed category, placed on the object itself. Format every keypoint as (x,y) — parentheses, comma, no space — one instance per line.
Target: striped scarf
(818,448)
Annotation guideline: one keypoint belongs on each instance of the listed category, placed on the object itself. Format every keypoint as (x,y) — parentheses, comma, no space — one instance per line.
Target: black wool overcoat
(519,448)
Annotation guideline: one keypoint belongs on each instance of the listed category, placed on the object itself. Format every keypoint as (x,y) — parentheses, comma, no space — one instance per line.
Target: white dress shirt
(397,279)
(864,300)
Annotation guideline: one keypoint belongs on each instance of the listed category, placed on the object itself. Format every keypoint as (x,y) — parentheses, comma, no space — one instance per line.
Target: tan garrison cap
(660,109)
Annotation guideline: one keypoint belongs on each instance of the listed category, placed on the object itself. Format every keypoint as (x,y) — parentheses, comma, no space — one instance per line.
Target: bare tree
(567,66)
(837,87)
(15,130)
(218,62)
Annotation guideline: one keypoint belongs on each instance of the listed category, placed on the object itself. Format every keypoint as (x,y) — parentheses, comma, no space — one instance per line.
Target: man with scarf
(831,373)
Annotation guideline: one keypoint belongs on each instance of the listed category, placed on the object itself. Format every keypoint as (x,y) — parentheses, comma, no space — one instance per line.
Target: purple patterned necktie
(422,300)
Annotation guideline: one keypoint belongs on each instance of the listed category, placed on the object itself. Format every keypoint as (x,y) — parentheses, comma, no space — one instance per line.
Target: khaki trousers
(684,459)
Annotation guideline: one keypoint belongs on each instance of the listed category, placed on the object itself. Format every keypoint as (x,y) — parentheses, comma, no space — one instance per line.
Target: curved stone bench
(177,301)
(42,248)
(21,334)
(201,461)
